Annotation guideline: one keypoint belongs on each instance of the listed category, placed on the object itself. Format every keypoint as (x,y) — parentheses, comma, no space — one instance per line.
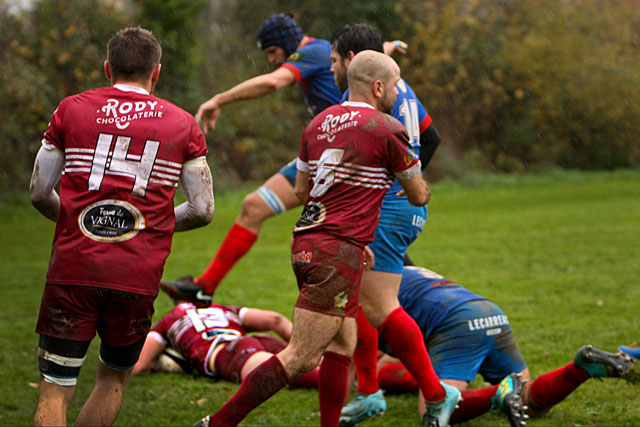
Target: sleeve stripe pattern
(80,160)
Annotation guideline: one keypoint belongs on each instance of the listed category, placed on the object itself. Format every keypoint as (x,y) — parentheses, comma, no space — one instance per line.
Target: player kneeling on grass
(213,340)
(467,334)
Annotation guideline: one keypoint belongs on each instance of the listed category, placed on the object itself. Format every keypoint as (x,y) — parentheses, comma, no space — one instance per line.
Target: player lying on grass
(467,334)
(213,340)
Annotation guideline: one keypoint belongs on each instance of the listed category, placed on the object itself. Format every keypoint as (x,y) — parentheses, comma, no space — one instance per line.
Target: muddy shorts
(475,338)
(234,355)
(328,270)
(76,313)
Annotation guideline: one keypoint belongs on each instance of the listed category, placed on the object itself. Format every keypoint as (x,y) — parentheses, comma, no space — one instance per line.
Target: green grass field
(560,253)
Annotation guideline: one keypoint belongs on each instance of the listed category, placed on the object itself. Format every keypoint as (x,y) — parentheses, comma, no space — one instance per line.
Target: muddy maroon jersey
(194,332)
(124,150)
(352,153)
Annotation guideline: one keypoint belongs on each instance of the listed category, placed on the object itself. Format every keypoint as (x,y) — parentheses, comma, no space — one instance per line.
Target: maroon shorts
(328,270)
(76,313)
(233,356)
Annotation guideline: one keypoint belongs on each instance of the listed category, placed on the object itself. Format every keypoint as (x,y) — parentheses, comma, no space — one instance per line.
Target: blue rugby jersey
(429,298)
(311,66)
(410,111)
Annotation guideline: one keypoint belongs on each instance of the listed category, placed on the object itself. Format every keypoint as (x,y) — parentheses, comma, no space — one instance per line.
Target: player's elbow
(37,196)
(205,214)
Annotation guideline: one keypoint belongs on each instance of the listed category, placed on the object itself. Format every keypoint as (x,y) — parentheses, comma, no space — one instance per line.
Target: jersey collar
(357,104)
(129,88)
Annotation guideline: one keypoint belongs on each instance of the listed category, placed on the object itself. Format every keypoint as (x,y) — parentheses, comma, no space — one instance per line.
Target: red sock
(236,244)
(307,380)
(475,403)
(395,377)
(551,388)
(332,387)
(365,357)
(262,383)
(404,337)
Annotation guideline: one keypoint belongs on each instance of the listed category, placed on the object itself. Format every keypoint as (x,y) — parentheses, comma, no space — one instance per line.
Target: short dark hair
(356,38)
(133,53)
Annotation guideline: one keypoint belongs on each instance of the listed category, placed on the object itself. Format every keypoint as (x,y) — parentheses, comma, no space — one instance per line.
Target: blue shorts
(400,224)
(290,171)
(475,338)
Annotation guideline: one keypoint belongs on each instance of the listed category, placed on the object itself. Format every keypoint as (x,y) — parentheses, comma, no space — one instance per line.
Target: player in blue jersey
(400,224)
(467,334)
(299,59)
(305,60)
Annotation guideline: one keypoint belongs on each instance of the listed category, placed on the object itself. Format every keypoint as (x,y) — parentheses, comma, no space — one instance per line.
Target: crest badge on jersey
(295,57)
(111,221)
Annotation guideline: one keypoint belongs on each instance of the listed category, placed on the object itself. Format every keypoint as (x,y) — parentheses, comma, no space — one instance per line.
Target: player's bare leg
(273,198)
(53,404)
(261,205)
(379,295)
(103,406)
(379,300)
(312,333)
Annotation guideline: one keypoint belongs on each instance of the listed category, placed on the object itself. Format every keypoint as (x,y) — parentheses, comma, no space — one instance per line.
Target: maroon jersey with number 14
(124,150)
(352,153)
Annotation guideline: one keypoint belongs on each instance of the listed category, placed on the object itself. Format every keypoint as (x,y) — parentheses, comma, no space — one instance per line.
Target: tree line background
(512,86)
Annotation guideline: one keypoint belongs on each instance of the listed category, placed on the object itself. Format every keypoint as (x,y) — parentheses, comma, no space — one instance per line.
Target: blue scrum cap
(282,31)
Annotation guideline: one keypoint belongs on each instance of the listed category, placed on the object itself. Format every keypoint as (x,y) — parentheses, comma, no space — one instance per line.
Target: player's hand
(395,46)
(207,115)
(369,258)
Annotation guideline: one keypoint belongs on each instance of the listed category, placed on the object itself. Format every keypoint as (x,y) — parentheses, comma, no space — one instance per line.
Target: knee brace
(60,360)
(272,200)
(121,358)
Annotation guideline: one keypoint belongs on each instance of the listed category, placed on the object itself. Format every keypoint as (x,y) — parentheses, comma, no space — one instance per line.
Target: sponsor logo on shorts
(487,322)
(341,300)
(111,221)
(303,257)
(418,221)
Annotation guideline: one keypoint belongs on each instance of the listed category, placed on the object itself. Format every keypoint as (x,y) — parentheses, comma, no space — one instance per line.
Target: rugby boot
(509,398)
(600,364)
(186,289)
(362,406)
(438,413)
(203,422)
(634,352)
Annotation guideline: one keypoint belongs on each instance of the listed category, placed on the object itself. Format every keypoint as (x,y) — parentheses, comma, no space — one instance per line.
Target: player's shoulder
(314,48)
(405,92)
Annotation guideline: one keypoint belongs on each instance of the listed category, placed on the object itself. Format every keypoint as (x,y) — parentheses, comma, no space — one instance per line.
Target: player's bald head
(367,67)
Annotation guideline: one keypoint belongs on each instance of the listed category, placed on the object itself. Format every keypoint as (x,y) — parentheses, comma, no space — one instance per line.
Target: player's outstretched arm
(253,88)
(197,185)
(264,320)
(46,173)
(150,351)
(416,189)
